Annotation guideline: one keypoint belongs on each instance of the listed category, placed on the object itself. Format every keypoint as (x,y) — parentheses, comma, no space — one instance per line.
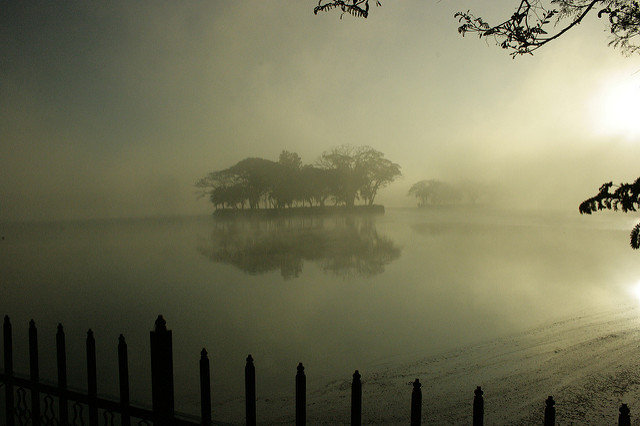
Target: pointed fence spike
(250,391)
(61,357)
(205,389)
(416,404)
(92,378)
(301,396)
(624,419)
(7,338)
(356,400)
(34,372)
(162,387)
(123,379)
(161,324)
(478,407)
(550,412)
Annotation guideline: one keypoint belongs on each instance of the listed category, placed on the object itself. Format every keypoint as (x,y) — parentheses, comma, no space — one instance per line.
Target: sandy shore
(589,363)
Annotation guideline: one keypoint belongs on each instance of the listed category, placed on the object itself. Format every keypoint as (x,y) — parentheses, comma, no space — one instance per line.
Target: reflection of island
(344,245)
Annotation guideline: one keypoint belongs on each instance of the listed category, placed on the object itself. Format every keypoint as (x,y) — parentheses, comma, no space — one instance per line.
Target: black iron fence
(30,401)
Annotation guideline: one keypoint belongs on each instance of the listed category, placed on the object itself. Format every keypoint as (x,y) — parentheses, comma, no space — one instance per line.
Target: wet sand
(589,363)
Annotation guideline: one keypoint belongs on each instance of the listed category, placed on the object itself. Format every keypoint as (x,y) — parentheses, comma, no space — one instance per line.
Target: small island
(334,184)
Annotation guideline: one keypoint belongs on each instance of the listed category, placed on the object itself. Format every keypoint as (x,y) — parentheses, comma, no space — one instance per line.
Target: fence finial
(416,404)
(250,391)
(550,412)
(478,407)
(161,324)
(624,419)
(301,396)
(356,400)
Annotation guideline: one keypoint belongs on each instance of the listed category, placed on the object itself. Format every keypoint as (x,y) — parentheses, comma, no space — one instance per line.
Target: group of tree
(342,176)
(432,192)
(532,25)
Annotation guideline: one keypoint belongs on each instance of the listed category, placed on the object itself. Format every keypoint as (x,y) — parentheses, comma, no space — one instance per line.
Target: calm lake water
(337,293)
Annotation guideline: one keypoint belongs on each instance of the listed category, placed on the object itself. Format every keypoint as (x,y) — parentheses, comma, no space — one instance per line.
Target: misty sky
(117,108)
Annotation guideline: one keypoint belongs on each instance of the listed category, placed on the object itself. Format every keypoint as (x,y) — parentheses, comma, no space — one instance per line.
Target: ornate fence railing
(30,401)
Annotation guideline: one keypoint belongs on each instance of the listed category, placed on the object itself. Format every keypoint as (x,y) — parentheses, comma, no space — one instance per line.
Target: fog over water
(403,285)
(111,112)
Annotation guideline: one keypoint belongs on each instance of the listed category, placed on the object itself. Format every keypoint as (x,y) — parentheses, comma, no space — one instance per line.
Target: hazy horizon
(116,110)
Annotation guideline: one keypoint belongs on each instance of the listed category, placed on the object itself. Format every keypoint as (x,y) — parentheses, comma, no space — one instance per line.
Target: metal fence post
(478,407)
(61,356)
(34,374)
(123,375)
(301,396)
(550,412)
(416,404)
(624,419)
(205,389)
(162,373)
(8,371)
(250,391)
(92,379)
(356,400)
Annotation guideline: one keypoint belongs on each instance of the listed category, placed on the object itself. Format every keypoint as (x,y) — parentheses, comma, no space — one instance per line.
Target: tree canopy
(344,174)
(533,23)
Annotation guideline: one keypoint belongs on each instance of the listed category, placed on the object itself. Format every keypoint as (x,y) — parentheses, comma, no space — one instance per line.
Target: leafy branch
(526,30)
(357,8)
(532,25)
(625,197)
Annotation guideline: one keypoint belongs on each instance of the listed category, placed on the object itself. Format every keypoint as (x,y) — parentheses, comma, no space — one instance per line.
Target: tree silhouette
(533,24)
(345,173)
(359,172)
(433,192)
(625,197)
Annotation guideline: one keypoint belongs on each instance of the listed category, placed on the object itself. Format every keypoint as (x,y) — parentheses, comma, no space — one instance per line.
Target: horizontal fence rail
(29,401)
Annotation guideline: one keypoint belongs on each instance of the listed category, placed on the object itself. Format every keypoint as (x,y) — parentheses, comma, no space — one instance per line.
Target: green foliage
(625,197)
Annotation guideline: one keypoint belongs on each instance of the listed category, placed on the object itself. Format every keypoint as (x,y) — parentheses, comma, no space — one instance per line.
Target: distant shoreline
(298,211)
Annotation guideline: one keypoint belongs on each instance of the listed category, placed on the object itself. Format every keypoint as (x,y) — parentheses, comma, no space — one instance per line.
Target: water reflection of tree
(343,245)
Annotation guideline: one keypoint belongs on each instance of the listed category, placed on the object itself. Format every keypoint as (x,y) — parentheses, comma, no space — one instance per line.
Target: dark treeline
(340,176)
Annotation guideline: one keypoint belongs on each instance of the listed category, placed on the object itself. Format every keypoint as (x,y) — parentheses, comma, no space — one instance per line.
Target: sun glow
(615,107)
(634,291)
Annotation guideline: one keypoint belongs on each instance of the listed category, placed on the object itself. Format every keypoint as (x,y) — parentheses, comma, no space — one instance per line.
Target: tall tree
(345,173)
(379,172)
(357,172)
